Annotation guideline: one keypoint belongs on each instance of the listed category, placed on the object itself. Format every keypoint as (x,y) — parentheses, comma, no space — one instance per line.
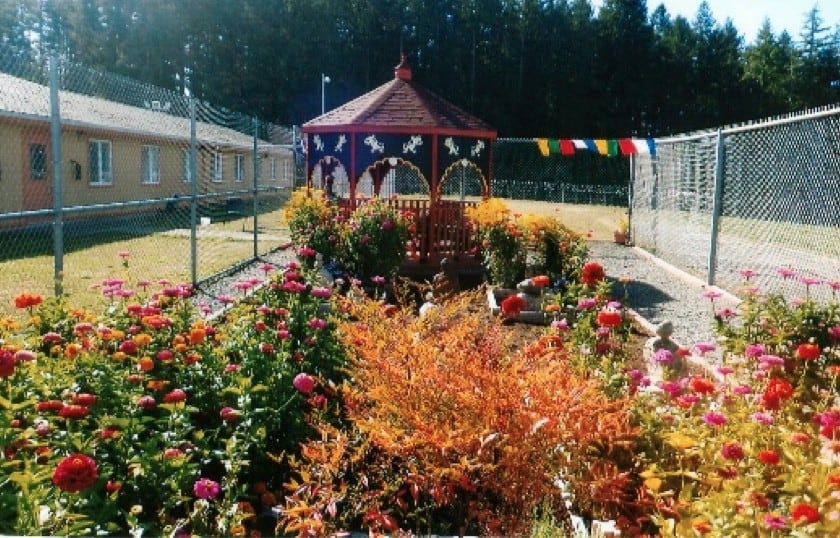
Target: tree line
(530,68)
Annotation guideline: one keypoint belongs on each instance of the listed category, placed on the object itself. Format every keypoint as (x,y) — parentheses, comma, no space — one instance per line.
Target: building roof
(401,105)
(26,100)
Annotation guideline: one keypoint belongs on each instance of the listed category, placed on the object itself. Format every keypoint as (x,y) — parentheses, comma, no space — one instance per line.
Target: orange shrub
(447,424)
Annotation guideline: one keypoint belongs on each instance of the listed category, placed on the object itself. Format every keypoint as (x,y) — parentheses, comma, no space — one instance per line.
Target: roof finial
(403,70)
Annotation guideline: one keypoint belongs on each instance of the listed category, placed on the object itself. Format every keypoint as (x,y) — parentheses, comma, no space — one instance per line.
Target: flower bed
(283,416)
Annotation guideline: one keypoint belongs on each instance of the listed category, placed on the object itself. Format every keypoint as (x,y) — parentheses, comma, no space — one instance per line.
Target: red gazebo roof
(400,106)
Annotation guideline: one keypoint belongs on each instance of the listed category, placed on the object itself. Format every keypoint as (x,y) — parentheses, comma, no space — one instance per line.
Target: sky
(748,15)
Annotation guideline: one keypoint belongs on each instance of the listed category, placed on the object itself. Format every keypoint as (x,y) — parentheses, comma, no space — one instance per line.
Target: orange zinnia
(540,281)
(28,300)
(197,335)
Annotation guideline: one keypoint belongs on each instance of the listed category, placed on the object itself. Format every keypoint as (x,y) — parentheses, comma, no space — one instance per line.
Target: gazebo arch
(401,131)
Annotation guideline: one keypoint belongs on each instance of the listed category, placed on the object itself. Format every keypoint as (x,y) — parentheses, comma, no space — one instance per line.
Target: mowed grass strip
(165,255)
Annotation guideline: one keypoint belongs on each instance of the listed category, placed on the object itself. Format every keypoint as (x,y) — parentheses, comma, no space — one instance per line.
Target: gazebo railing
(440,230)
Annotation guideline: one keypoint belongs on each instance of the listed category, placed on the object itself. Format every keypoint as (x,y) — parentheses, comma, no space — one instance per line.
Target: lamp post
(324,80)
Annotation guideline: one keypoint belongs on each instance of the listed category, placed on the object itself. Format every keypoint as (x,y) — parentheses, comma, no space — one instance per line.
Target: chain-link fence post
(193,167)
(255,191)
(720,155)
(57,198)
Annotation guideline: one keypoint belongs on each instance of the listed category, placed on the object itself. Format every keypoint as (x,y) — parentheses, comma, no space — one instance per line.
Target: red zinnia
(7,363)
(609,318)
(702,385)
(73,411)
(776,392)
(175,396)
(804,513)
(512,305)
(768,457)
(808,351)
(84,399)
(592,273)
(75,473)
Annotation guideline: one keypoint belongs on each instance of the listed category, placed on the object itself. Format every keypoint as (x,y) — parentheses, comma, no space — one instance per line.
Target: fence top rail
(813,114)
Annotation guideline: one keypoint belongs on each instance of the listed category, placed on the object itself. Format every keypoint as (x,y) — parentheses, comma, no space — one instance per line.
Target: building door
(37,180)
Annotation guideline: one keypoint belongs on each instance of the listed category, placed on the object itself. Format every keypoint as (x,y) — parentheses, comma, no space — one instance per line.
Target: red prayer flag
(567,147)
(626,146)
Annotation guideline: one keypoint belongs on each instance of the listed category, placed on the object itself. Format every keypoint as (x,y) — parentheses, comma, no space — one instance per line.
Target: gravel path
(659,292)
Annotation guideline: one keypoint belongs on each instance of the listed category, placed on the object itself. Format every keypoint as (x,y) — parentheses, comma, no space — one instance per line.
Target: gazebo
(405,144)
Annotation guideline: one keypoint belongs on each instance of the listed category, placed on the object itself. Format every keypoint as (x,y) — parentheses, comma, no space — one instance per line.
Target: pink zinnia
(704,347)
(754,350)
(775,521)
(714,419)
(304,382)
(204,488)
(663,356)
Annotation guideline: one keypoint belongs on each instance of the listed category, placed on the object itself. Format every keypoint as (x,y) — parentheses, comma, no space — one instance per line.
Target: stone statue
(662,354)
(445,283)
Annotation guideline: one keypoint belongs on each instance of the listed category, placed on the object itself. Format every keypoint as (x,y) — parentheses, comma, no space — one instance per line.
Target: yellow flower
(681,441)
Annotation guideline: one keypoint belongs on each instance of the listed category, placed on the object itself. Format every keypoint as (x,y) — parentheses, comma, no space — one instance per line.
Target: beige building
(111,152)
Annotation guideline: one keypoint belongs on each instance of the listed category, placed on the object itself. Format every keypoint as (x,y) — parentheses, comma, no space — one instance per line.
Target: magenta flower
(726,313)
(712,294)
(763,418)
(742,389)
(671,388)
(663,356)
(725,370)
(586,303)
(266,268)
(377,280)
(204,488)
(146,402)
(732,451)
(306,252)
(304,382)
(754,350)
(225,299)
(770,361)
(785,272)
(24,355)
(834,333)
(775,521)
(809,281)
(714,419)
(317,323)
(560,324)
(747,273)
(321,292)
(704,347)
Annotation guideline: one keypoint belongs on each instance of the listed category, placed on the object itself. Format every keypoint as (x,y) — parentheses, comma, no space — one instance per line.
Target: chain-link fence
(761,198)
(521,172)
(106,183)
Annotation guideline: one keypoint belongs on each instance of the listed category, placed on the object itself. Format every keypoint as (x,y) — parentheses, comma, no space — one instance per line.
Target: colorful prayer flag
(567,147)
(627,147)
(542,144)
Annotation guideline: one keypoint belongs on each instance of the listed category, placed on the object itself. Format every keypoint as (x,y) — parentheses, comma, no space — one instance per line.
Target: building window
(272,169)
(217,166)
(239,168)
(151,164)
(37,161)
(287,169)
(186,160)
(100,162)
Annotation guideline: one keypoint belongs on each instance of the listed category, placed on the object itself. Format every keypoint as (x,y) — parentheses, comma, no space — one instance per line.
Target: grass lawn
(165,254)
